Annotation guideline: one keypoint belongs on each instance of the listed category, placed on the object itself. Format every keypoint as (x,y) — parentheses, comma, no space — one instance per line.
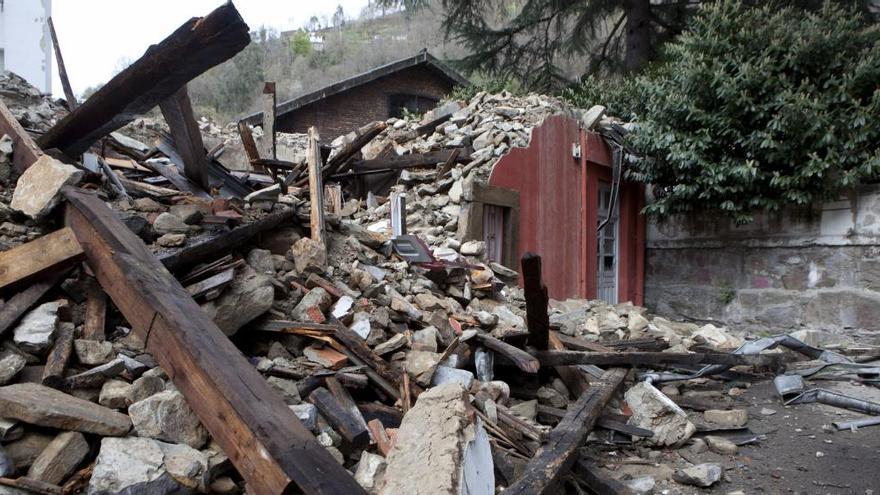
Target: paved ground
(801,453)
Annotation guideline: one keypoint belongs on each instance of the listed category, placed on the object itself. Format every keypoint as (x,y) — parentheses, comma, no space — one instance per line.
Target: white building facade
(25,42)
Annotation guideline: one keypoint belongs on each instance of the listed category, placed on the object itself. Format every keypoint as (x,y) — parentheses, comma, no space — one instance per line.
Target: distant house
(25,43)
(414,84)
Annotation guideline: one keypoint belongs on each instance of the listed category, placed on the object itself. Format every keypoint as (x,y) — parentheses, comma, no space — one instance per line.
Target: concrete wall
(817,268)
(26,42)
(344,112)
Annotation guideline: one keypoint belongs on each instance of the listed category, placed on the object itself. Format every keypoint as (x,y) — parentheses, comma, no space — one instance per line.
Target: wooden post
(269,121)
(62,72)
(96,312)
(316,189)
(333,193)
(24,150)
(262,437)
(536,302)
(178,113)
(196,46)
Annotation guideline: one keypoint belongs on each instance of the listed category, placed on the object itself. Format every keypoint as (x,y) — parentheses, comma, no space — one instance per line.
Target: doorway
(608,246)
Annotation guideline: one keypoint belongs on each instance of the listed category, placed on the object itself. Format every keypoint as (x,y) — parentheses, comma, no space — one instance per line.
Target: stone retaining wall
(816,268)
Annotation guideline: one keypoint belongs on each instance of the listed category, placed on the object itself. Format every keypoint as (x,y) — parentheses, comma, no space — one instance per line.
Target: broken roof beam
(52,252)
(24,150)
(542,473)
(178,113)
(62,71)
(262,437)
(637,358)
(196,46)
(414,160)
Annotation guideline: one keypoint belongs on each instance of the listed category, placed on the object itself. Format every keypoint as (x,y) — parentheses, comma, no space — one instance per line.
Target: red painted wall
(548,179)
(558,198)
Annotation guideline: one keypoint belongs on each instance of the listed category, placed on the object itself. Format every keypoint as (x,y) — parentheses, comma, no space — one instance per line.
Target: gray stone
(309,255)
(643,485)
(420,365)
(317,298)
(36,331)
(721,445)
(703,475)
(552,397)
(733,418)
(190,214)
(167,416)
(390,345)
(248,296)
(656,412)
(148,205)
(93,352)
(399,304)
(7,465)
(342,306)
(503,272)
(446,374)
(527,409)
(171,240)
(361,325)
(114,394)
(261,261)
(43,406)
(285,388)
(60,458)
(307,413)
(369,470)
(473,248)
(426,338)
(166,223)
(132,466)
(24,451)
(38,189)
(11,364)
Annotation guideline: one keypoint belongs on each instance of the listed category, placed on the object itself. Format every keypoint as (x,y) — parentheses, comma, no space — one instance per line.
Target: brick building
(416,84)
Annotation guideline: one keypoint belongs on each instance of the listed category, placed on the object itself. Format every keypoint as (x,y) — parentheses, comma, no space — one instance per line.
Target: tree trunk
(638,33)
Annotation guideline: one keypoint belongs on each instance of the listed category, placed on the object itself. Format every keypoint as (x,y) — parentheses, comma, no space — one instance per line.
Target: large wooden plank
(178,113)
(24,150)
(563,358)
(536,302)
(214,246)
(269,121)
(62,71)
(51,252)
(264,440)
(316,190)
(542,473)
(196,46)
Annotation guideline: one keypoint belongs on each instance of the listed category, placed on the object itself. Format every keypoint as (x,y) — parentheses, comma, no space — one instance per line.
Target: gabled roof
(423,58)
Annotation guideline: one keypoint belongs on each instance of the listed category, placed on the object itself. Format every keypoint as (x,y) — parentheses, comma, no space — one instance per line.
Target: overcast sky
(95,35)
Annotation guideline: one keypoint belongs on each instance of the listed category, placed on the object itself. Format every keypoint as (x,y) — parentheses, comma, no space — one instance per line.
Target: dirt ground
(798,452)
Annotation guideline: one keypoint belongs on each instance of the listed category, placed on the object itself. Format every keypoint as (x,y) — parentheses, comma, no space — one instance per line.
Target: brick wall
(344,112)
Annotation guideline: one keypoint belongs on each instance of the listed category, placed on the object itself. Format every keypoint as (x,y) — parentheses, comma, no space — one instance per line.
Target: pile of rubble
(365,349)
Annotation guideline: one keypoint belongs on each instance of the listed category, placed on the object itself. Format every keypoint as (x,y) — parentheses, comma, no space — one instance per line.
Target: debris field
(314,324)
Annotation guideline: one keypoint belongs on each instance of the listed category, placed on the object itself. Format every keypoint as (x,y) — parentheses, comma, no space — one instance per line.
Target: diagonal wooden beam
(265,441)
(196,46)
(24,150)
(178,113)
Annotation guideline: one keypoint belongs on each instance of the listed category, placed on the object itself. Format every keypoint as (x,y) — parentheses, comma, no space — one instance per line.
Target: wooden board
(125,163)
(178,113)
(51,252)
(196,46)
(265,441)
(24,150)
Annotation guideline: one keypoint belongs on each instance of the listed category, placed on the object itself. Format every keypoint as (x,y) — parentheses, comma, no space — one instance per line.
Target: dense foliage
(754,109)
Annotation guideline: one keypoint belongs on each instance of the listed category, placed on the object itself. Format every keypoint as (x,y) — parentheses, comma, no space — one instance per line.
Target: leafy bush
(755,108)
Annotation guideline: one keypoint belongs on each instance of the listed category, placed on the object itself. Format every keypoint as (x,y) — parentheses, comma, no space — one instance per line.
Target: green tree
(755,109)
(300,44)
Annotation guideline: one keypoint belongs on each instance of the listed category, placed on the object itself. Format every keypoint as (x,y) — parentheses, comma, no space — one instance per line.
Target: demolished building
(365,317)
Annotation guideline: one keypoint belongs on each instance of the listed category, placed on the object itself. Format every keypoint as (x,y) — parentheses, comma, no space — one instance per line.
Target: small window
(2,61)
(411,103)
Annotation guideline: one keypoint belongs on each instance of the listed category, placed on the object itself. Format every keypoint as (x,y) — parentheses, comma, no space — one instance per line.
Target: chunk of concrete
(248,296)
(38,189)
(166,223)
(312,306)
(60,458)
(167,416)
(642,485)
(733,418)
(36,331)
(309,255)
(656,412)
(285,388)
(460,461)
(721,445)
(703,475)
(369,470)
(473,248)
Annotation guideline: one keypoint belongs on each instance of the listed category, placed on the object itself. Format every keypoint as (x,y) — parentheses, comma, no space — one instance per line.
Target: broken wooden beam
(19,304)
(537,319)
(178,113)
(598,481)
(53,251)
(340,418)
(522,359)
(542,473)
(564,358)
(316,191)
(247,141)
(262,437)
(24,150)
(196,46)
(414,160)
(364,135)
(56,362)
(96,312)
(219,244)
(62,71)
